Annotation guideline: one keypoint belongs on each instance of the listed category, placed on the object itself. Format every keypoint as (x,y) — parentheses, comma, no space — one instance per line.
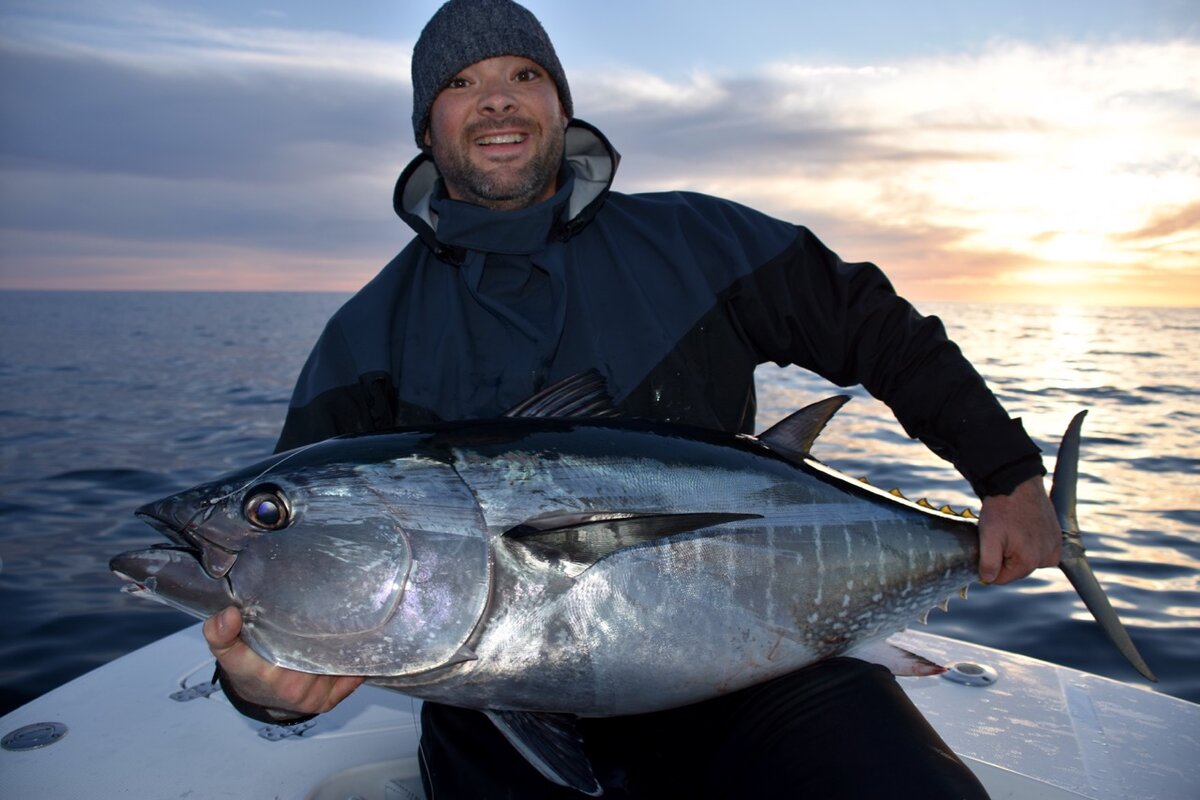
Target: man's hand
(265,684)
(1018,533)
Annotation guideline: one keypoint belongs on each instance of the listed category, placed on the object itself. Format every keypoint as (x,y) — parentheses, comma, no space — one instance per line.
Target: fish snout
(170,518)
(179,522)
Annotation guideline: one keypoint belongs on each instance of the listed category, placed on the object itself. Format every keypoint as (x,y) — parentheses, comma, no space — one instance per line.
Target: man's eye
(528,74)
(457,83)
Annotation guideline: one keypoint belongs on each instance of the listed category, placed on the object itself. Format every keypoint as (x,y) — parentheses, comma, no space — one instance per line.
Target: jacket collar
(518,232)
(449,228)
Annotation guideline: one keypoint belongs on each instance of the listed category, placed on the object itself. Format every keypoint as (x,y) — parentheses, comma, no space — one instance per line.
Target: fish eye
(266,508)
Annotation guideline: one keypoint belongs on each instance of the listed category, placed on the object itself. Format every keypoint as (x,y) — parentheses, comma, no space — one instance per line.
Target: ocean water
(109,400)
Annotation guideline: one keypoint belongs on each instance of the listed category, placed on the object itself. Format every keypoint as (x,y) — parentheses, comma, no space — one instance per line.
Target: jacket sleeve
(845,322)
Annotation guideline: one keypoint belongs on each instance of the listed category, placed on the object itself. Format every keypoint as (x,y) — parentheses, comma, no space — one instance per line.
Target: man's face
(496,133)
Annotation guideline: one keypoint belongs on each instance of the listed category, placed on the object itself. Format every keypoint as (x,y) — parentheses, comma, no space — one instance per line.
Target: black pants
(840,728)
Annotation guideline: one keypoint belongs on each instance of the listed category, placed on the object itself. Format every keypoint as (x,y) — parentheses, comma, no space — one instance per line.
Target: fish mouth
(166,518)
(131,566)
(174,576)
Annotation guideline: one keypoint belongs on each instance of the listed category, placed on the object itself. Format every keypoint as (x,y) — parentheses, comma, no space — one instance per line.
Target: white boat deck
(1039,732)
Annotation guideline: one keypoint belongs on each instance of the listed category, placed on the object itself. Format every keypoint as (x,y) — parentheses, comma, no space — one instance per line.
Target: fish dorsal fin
(794,435)
(584,395)
(552,745)
(582,539)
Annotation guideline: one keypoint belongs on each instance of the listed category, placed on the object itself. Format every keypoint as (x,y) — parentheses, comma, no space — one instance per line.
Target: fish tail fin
(1074,563)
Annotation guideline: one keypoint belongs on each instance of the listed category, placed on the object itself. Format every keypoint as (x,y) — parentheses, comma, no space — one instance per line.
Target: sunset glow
(212,152)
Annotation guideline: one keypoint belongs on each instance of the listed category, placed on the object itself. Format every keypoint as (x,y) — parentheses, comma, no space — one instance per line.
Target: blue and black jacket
(675,298)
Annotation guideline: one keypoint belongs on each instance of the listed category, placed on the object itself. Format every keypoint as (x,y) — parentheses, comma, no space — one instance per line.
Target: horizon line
(915,300)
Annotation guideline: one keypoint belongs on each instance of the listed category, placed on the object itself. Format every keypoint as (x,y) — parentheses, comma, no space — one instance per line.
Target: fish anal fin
(793,436)
(896,659)
(552,745)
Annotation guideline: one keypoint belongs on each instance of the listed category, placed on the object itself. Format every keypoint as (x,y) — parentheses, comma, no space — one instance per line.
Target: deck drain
(31,737)
(969,673)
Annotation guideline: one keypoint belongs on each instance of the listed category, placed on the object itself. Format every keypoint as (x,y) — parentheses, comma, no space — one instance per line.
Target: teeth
(509,138)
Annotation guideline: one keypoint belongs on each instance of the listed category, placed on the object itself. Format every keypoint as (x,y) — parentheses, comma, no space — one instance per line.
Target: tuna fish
(560,562)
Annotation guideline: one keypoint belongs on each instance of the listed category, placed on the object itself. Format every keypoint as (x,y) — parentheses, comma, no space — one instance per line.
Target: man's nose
(497,98)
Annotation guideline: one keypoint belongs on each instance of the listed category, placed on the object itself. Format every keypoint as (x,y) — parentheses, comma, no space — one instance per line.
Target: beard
(500,188)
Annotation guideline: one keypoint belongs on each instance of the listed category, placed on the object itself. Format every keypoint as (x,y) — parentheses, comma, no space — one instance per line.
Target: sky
(1028,151)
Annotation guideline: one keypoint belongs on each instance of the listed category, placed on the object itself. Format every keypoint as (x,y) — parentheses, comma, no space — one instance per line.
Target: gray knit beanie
(465,31)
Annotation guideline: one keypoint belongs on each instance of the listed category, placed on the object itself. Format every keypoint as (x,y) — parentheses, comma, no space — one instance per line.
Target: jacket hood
(589,155)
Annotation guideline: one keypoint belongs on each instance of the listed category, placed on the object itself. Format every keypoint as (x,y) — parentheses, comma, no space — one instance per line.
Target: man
(526,269)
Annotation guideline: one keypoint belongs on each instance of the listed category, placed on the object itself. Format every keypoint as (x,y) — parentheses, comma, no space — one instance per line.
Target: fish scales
(678,598)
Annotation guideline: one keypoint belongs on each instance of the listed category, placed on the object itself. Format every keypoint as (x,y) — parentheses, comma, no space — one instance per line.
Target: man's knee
(840,728)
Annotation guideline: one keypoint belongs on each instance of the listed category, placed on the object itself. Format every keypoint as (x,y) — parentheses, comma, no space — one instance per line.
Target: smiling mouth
(502,138)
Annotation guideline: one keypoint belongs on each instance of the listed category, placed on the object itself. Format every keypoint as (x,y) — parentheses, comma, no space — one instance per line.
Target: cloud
(80,110)
(173,40)
(201,139)
(1167,224)
(1015,163)
(163,139)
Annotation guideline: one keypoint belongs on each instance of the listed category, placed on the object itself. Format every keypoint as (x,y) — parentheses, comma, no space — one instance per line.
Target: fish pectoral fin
(551,743)
(896,659)
(585,538)
(793,436)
